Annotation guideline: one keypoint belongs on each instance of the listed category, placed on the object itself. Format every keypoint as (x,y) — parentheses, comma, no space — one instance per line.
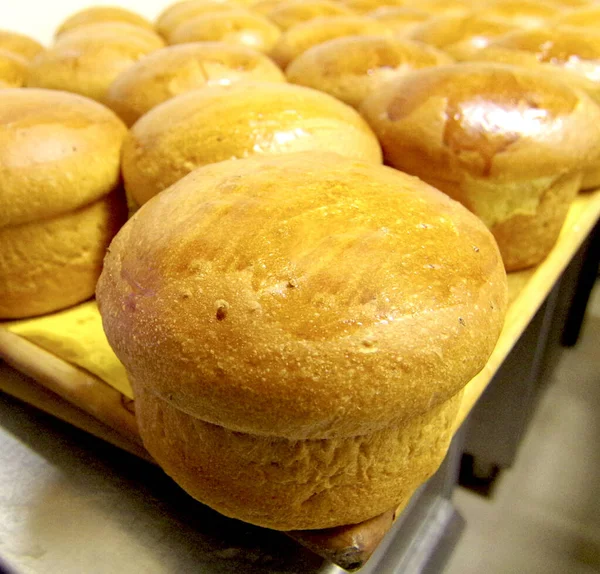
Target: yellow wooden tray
(68,355)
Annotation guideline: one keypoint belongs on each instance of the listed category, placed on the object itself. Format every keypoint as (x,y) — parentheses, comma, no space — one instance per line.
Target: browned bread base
(55,263)
(295,484)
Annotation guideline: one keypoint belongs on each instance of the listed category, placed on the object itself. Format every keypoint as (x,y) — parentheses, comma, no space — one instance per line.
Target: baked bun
(219,123)
(566,53)
(240,27)
(509,143)
(59,199)
(98,14)
(400,21)
(352,67)
(13,69)
(86,60)
(291,12)
(460,36)
(171,71)
(176,14)
(521,13)
(304,36)
(20,44)
(311,316)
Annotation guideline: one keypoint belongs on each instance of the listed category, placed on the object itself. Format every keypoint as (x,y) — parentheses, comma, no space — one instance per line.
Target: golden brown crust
(219,123)
(13,69)
(97,14)
(20,44)
(54,263)
(174,70)
(58,152)
(86,60)
(566,53)
(300,38)
(523,13)
(460,34)
(494,137)
(304,484)
(350,68)
(291,12)
(240,27)
(303,296)
(180,12)
(400,21)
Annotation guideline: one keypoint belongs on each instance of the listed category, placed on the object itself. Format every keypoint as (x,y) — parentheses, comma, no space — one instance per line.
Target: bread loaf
(306,320)
(219,123)
(60,199)
(352,67)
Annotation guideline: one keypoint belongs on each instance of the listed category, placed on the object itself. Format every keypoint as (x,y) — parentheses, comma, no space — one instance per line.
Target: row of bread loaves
(322,312)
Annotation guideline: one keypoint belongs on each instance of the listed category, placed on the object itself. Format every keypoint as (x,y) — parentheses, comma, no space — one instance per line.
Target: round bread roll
(352,67)
(240,27)
(460,36)
(13,69)
(292,12)
(86,60)
(565,53)
(521,13)
(219,123)
(400,21)
(98,14)
(308,34)
(174,70)
(50,264)
(509,143)
(20,44)
(181,12)
(301,318)
(59,199)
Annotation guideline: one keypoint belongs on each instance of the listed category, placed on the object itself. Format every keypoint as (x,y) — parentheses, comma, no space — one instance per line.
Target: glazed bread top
(240,27)
(97,14)
(180,12)
(20,44)
(522,13)
(453,32)
(174,70)
(58,152)
(303,36)
(491,121)
(219,123)
(291,12)
(352,67)
(303,296)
